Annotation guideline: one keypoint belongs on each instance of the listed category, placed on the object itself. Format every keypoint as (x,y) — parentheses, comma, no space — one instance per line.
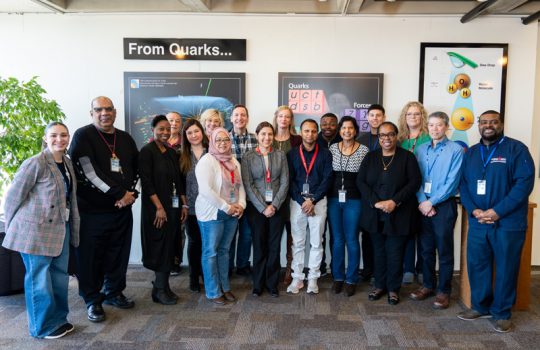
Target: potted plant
(24,113)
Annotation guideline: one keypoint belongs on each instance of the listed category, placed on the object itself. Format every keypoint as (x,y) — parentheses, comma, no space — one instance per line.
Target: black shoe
(256,292)
(96,313)
(376,294)
(350,289)
(365,276)
(161,296)
(393,298)
(337,287)
(120,301)
(243,271)
(274,292)
(324,272)
(170,293)
(61,331)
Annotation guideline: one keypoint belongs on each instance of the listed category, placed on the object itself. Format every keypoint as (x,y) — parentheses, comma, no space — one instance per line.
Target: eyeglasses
(413,114)
(223,141)
(106,109)
(390,135)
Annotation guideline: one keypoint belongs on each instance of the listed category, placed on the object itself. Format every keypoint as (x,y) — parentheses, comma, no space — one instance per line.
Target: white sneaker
(312,287)
(295,286)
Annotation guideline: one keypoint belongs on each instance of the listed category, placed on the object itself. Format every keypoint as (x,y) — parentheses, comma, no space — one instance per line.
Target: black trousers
(266,236)
(388,251)
(367,254)
(103,254)
(194,248)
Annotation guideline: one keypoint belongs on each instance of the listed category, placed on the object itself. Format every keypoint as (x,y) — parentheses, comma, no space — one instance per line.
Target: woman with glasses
(388,180)
(219,205)
(265,174)
(412,133)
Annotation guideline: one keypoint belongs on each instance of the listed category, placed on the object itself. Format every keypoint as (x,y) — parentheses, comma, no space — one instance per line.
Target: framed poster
(463,80)
(150,93)
(310,95)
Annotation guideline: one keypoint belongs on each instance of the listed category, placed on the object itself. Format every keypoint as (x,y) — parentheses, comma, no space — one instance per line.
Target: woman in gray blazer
(41,221)
(265,174)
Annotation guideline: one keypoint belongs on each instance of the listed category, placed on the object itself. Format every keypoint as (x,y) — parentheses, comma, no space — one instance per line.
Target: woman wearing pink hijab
(219,205)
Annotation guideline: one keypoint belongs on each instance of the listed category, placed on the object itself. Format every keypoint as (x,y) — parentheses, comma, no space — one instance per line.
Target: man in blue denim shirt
(440,164)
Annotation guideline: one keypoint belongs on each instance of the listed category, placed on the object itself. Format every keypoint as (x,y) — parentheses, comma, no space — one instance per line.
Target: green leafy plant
(24,113)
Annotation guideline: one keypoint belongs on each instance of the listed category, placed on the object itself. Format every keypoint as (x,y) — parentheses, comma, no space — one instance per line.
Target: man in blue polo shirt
(498,177)
(440,163)
(310,172)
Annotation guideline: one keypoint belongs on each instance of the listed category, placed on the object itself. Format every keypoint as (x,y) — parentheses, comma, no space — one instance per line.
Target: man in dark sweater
(106,164)
(498,177)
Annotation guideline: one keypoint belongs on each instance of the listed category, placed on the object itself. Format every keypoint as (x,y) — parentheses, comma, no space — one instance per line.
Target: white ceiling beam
(58,6)
(197,5)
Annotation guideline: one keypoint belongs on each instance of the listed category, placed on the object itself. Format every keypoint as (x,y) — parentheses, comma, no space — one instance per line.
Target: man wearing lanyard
(242,141)
(498,177)
(105,159)
(375,116)
(328,136)
(440,164)
(310,171)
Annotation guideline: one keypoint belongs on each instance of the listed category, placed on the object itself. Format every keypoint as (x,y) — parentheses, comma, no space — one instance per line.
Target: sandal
(393,298)
(376,294)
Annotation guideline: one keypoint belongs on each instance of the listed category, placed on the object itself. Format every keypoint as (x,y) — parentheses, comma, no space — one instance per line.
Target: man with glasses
(310,172)
(105,159)
(242,141)
(498,177)
(440,164)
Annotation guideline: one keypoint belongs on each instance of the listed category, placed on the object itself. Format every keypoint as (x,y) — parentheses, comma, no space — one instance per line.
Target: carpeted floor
(324,321)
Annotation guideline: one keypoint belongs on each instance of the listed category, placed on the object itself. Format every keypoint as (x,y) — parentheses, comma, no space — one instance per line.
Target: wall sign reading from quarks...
(185,49)
(310,95)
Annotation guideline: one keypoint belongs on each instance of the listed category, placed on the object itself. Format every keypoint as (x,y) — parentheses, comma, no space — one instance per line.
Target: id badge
(268,196)
(67,213)
(427,187)
(481,187)
(115,165)
(232,197)
(175,202)
(305,188)
(342,196)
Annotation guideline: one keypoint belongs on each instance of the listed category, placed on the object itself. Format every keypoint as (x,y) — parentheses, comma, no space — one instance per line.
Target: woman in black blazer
(388,180)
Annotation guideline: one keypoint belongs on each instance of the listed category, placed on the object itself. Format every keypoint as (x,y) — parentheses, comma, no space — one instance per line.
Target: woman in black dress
(163,198)
(388,180)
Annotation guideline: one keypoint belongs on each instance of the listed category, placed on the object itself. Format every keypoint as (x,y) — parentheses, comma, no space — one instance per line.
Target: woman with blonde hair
(285,138)
(211,119)
(412,133)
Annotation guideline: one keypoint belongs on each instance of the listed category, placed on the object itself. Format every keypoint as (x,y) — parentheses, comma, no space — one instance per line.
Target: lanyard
(429,168)
(414,144)
(231,172)
(486,162)
(346,165)
(263,163)
(111,147)
(308,171)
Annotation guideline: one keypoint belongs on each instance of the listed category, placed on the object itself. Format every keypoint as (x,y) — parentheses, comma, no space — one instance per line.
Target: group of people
(235,192)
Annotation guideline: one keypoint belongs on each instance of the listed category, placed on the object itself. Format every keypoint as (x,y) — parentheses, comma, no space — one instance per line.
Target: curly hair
(404,131)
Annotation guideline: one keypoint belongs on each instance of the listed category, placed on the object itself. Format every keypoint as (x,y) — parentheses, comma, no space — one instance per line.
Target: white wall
(80,56)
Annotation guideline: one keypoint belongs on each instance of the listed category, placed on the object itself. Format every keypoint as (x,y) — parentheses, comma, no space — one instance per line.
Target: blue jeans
(243,247)
(216,236)
(46,290)
(344,219)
